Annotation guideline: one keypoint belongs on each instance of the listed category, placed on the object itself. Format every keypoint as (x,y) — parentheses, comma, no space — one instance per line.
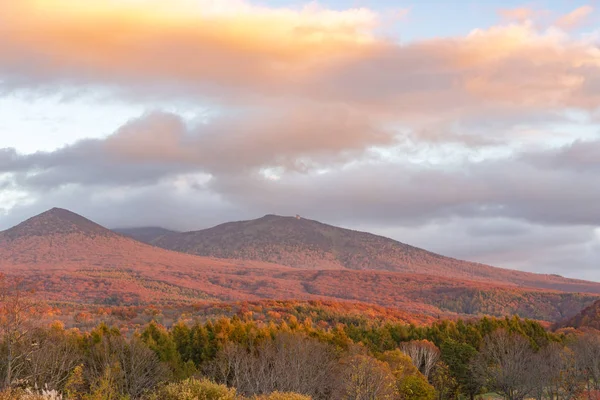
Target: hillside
(146,234)
(71,260)
(589,317)
(306,244)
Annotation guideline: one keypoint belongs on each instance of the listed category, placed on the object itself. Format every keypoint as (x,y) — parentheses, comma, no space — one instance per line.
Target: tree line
(241,358)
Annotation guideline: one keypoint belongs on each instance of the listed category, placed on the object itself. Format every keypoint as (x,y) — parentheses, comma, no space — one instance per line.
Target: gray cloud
(570,251)
(158,145)
(412,194)
(581,156)
(164,204)
(548,187)
(323,164)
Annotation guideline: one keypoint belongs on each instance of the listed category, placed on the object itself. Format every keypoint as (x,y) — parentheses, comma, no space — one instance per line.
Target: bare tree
(586,351)
(55,360)
(365,378)
(506,364)
(288,363)
(557,374)
(134,368)
(16,310)
(423,354)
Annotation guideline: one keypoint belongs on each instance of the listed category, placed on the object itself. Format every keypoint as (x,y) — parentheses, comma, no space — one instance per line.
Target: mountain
(57,235)
(146,234)
(56,221)
(306,244)
(71,260)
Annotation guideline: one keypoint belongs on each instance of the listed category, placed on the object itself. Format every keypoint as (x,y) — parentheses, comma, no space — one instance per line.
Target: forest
(238,357)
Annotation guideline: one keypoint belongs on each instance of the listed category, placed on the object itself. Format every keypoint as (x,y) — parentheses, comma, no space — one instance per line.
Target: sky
(471,129)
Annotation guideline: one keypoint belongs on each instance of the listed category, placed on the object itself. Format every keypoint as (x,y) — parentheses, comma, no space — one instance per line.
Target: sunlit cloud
(519,14)
(175,43)
(575,18)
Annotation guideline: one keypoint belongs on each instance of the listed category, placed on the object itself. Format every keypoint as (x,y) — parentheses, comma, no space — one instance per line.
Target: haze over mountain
(302,243)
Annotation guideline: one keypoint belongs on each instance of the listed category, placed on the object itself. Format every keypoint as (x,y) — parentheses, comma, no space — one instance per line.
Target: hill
(306,244)
(589,317)
(71,260)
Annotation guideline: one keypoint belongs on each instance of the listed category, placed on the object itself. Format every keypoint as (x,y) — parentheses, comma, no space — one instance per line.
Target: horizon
(469,130)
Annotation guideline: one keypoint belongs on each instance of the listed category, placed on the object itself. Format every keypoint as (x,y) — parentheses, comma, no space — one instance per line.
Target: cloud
(177,204)
(570,251)
(519,14)
(581,156)
(413,194)
(235,52)
(160,145)
(180,43)
(321,168)
(575,18)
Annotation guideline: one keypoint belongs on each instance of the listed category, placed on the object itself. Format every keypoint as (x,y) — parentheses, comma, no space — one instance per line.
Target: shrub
(194,389)
(410,383)
(282,396)
(366,378)
(18,394)
(416,387)
(75,385)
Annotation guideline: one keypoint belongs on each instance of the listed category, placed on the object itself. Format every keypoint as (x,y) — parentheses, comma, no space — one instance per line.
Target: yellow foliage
(282,396)
(194,389)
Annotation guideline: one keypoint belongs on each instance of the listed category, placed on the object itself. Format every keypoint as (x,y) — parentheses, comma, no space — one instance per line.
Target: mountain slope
(306,244)
(589,317)
(146,234)
(69,259)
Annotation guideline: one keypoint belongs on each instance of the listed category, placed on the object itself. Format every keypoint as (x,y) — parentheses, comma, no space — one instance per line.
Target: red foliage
(74,261)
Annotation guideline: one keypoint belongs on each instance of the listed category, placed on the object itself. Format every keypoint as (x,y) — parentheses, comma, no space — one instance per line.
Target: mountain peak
(56,221)
(275,217)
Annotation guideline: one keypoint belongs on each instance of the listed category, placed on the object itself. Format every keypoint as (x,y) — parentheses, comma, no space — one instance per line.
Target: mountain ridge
(72,259)
(303,243)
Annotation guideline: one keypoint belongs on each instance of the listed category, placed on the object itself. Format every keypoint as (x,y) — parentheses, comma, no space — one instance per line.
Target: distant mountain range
(71,259)
(302,243)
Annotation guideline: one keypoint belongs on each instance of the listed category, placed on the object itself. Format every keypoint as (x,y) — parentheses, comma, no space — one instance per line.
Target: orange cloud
(301,61)
(175,41)
(575,18)
(520,14)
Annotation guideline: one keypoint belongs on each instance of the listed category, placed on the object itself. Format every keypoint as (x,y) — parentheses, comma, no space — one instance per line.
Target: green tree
(459,357)
(158,339)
